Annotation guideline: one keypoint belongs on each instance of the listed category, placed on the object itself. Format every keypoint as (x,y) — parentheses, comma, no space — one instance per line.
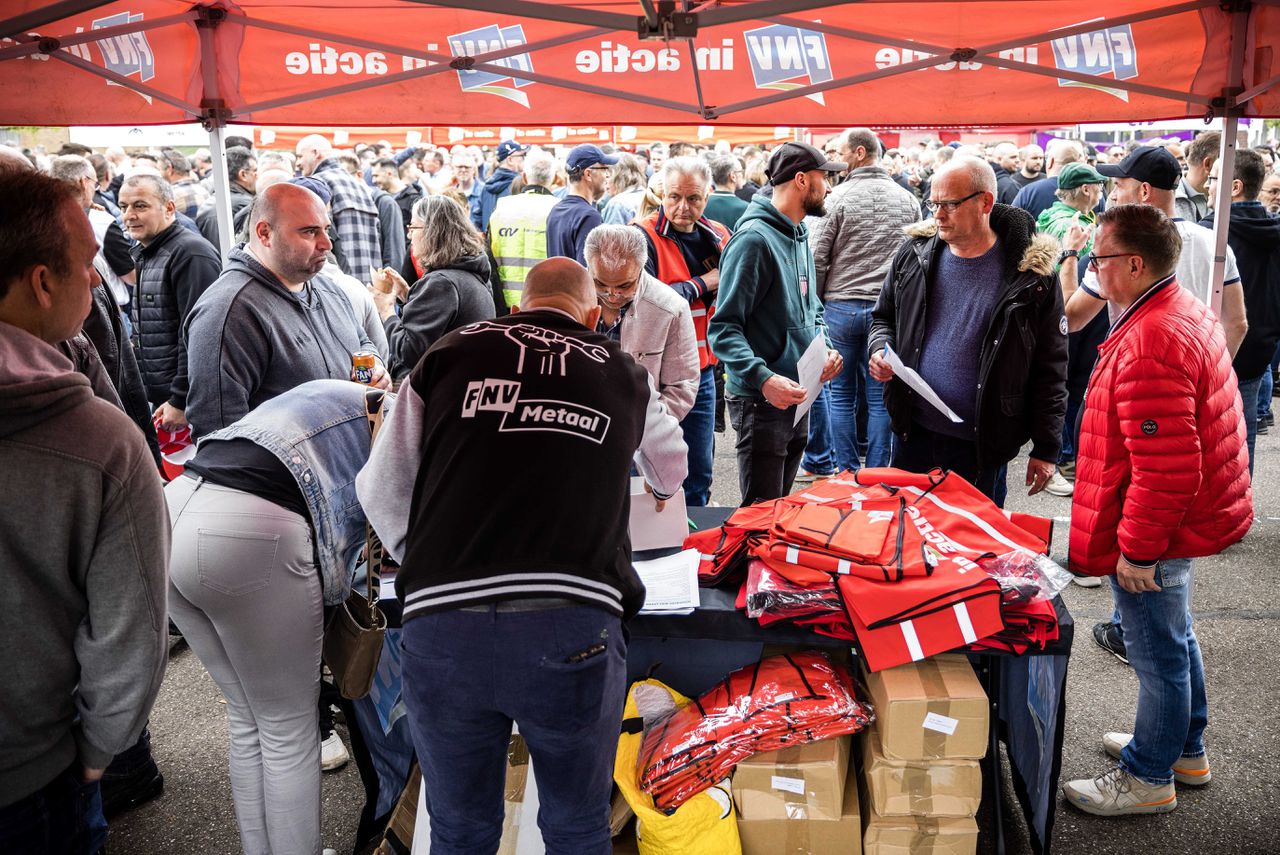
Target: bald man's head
(12,160)
(560,283)
(312,149)
(287,232)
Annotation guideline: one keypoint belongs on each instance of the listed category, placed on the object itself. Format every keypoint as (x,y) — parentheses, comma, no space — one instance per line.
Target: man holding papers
(768,314)
(973,306)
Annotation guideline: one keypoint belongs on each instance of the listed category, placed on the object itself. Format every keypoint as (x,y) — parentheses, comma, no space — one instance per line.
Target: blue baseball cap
(583,156)
(509,147)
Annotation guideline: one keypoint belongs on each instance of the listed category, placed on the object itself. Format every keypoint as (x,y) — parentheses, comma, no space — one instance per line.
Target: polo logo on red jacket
(1149,427)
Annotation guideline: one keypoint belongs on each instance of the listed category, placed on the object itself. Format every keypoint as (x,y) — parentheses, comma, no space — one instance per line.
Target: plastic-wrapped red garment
(1026,624)
(777,702)
(770,593)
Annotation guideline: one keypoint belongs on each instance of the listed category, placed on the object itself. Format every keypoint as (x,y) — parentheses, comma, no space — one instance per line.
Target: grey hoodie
(84,553)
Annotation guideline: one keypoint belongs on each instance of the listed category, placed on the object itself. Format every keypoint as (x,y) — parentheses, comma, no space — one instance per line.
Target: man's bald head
(276,200)
(312,149)
(12,160)
(560,283)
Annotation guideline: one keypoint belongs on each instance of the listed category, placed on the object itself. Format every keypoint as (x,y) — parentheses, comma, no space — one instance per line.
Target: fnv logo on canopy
(1108,51)
(784,57)
(486,40)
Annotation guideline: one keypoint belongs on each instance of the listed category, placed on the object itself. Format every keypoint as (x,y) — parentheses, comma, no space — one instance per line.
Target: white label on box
(789,785)
(941,723)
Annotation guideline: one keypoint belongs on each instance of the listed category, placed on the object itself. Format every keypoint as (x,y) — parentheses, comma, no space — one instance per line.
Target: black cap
(790,159)
(1149,163)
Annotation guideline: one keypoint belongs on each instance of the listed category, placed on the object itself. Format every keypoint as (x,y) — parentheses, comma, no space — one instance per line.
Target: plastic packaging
(1024,577)
(777,702)
(769,592)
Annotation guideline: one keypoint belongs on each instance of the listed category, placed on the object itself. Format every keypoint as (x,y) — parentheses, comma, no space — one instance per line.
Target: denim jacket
(319,431)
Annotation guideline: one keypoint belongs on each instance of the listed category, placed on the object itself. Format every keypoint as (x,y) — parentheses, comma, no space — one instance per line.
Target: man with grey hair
(1038,195)
(270,322)
(649,320)
(174,268)
(188,193)
(684,252)
(1191,200)
(518,226)
(116,264)
(852,248)
(990,338)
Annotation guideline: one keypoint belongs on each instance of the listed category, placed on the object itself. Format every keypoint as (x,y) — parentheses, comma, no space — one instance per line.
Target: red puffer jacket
(1163,470)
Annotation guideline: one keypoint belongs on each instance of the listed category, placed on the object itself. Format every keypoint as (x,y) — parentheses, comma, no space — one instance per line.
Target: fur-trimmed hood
(1035,252)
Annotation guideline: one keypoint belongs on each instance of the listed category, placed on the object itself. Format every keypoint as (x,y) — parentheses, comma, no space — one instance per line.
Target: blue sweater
(962,298)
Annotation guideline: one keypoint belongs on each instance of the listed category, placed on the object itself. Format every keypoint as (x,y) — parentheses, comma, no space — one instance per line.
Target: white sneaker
(333,754)
(1117,793)
(1059,486)
(1087,581)
(329,852)
(1192,771)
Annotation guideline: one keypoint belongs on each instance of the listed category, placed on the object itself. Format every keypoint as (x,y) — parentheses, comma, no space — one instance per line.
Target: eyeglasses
(1094,259)
(950,205)
(599,168)
(1211,178)
(413,227)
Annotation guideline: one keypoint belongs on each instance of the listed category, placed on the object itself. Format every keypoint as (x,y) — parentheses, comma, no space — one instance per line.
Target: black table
(1028,692)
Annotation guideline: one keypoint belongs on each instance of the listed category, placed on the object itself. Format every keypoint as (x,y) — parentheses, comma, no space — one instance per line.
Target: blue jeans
(1162,648)
(698,427)
(1249,397)
(56,819)
(819,456)
(849,324)
(1264,396)
(469,674)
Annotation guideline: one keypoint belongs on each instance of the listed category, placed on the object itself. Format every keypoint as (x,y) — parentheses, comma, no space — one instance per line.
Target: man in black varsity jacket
(510,446)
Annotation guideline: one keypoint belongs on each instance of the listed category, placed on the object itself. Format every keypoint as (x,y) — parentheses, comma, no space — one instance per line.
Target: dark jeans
(54,820)
(769,447)
(925,450)
(469,674)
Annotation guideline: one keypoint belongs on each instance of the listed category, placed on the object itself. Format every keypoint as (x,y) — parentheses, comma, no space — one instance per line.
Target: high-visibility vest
(518,238)
(672,268)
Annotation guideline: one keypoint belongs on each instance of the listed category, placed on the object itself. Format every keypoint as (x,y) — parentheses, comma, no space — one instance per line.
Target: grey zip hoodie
(84,553)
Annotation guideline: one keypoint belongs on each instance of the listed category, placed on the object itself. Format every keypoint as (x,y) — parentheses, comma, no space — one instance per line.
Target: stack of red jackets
(902,551)
(777,702)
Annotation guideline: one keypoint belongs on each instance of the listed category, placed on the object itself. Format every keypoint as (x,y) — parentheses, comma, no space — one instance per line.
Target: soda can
(362,367)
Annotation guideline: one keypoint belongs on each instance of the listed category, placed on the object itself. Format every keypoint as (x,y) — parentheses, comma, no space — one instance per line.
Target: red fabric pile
(777,702)
(902,552)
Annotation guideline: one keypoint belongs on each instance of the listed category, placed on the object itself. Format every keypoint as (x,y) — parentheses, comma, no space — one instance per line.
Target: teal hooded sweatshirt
(767,309)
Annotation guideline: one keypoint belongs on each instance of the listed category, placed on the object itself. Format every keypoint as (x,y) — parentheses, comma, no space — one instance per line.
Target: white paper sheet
(916,382)
(670,583)
(809,366)
(653,529)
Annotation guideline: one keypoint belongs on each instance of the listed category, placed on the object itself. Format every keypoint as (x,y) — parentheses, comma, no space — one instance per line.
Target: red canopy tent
(495,63)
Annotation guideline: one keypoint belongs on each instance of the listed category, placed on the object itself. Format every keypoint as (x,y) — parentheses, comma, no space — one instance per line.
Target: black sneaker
(1109,639)
(123,792)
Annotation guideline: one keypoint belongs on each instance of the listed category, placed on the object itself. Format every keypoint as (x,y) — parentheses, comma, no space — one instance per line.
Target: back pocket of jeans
(235,562)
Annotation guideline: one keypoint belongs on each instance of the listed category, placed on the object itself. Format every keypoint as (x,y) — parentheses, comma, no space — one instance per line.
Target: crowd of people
(557,324)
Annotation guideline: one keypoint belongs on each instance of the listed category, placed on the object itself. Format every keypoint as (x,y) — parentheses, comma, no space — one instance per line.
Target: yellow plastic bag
(706,824)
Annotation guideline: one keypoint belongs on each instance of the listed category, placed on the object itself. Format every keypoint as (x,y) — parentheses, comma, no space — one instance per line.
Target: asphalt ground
(1236,606)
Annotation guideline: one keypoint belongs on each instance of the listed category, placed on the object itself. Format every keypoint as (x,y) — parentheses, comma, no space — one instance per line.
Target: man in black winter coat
(174,267)
(1254,237)
(972,304)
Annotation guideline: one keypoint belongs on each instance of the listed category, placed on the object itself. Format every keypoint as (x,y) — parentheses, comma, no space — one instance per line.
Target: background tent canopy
(516,62)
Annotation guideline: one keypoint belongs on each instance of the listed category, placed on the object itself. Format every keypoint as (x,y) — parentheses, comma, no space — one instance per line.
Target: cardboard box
(513,798)
(803,782)
(934,709)
(841,836)
(932,788)
(914,835)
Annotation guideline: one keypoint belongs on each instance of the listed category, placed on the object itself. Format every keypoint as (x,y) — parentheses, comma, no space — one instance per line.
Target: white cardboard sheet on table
(916,382)
(809,366)
(654,529)
(670,583)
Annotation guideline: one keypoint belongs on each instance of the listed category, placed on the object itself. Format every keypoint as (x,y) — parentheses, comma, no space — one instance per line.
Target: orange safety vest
(672,268)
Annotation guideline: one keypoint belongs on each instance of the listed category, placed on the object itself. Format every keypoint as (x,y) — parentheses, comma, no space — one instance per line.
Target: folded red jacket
(952,626)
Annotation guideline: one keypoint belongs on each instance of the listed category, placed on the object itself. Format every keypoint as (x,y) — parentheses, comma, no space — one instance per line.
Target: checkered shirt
(355,216)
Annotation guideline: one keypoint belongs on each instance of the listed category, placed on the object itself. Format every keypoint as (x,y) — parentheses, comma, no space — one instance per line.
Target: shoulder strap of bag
(373,401)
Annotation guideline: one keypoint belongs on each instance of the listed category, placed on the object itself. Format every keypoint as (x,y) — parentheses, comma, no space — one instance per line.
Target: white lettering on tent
(888,57)
(612,58)
(1097,53)
(327,60)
